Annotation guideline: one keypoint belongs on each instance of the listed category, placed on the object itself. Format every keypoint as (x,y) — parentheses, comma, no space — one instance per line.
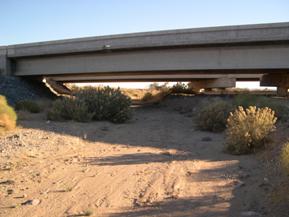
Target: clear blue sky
(24,21)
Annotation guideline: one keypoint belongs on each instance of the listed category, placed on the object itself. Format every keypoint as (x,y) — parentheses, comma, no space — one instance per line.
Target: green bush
(103,103)
(279,106)
(69,109)
(28,105)
(8,116)
(285,157)
(248,129)
(106,103)
(213,115)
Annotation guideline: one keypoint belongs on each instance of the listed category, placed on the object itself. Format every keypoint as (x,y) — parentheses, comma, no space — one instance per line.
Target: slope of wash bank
(16,89)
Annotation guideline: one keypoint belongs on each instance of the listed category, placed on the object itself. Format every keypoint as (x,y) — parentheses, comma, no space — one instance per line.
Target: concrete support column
(212,83)
(282,91)
(5,65)
(279,80)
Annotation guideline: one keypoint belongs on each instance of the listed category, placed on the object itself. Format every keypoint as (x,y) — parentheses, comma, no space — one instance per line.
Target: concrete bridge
(208,57)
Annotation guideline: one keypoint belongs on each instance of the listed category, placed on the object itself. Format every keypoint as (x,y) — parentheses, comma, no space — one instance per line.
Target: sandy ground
(157,164)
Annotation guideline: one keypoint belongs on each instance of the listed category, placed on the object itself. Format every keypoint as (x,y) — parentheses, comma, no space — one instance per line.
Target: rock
(10,191)
(240,184)
(206,139)
(250,213)
(167,153)
(104,129)
(21,196)
(7,182)
(16,89)
(243,175)
(265,184)
(33,202)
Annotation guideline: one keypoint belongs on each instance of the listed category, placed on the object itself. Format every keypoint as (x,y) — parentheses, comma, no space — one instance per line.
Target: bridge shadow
(150,127)
(136,158)
(206,206)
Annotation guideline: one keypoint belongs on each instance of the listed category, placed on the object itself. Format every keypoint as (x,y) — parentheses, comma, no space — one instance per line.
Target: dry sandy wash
(157,164)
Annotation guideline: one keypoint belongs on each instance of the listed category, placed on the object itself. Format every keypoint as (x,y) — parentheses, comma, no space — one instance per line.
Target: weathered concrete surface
(261,33)
(161,55)
(4,62)
(160,60)
(279,80)
(247,47)
(139,76)
(213,83)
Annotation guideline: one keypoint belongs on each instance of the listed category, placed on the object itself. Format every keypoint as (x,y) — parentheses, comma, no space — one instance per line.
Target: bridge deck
(227,35)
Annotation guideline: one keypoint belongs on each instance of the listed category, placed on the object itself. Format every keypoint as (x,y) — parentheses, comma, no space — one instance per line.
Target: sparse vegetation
(156,94)
(87,213)
(180,87)
(8,116)
(157,86)
(285,157)
(280,107)
(147,97)
(28,105)
(102,103)
(213,115)
(248,129)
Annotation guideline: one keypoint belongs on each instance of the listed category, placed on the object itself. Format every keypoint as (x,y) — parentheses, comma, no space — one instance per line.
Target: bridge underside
(151,77)
(217,56)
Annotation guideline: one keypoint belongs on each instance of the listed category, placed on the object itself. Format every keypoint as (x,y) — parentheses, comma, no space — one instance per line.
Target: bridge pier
(5,64)
(279,80)
(212,83)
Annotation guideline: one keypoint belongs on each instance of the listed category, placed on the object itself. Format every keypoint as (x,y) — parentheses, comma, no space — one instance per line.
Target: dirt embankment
(158,164)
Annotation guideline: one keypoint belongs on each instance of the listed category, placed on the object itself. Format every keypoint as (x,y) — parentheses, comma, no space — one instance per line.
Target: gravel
(16,89)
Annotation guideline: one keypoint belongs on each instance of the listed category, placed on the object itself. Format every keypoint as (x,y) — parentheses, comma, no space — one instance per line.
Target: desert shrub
(69,109)
(246,100)
(279,106)
(61,109)
(285,157)
(8,116)
(28,105)
(157,86)
(147,97)
(103,103)
(213,115)
(180,87)
(248,129)
(106,103)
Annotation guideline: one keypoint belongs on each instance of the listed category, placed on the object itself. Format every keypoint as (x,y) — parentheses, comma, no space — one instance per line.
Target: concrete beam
(176,76)
(217,59)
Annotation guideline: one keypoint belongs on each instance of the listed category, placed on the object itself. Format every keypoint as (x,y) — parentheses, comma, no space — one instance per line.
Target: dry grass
(8,116)
(248,129)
